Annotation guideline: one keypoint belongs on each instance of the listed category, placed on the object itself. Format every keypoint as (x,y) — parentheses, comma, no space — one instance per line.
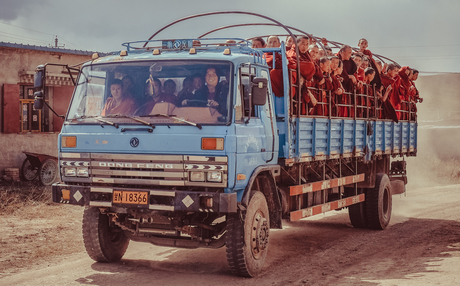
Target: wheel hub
(259,234)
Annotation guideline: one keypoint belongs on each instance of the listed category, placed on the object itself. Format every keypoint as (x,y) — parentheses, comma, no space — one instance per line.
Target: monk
(118,103)
(258,43)
(390,82)
(349,68)
(273,42)
(405,90)
(415,96)
(307,70)
(326,87)
(168,95)
(289,42)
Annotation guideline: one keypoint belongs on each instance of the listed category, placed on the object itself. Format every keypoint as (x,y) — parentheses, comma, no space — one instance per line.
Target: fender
(270,172)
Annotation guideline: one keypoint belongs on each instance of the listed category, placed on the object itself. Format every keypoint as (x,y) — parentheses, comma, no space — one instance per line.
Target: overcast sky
(423,34)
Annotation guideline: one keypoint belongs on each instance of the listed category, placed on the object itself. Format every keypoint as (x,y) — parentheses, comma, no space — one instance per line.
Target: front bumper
(160,200)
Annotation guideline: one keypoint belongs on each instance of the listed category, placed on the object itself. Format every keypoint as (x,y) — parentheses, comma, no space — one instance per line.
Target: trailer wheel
(28,171)
(103,243)
(379,203)
(357,213)
(47,172)
(247,241)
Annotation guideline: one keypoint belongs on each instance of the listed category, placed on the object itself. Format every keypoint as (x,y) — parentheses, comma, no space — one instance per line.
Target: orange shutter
(10,109)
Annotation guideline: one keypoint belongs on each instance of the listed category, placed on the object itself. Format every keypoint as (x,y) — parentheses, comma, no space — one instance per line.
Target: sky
(423,34)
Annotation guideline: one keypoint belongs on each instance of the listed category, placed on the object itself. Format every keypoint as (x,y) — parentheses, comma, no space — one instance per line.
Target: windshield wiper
(133,118)
(174,117)
(96,117)
(106,122)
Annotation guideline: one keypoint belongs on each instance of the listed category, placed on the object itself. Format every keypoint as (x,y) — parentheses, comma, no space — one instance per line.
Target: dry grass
(16,197)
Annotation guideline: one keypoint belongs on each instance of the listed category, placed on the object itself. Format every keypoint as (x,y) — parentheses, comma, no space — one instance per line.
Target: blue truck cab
(197,151)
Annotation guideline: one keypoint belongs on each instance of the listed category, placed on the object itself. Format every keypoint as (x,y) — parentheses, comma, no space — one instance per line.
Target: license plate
(130,197)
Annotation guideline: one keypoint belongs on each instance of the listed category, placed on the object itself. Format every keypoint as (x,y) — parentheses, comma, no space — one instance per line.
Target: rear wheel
(28,171)
(247,241)
(379,203)
(103,242)
(357,212)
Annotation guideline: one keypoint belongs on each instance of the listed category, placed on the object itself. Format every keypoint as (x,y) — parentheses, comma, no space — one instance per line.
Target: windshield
(170,92)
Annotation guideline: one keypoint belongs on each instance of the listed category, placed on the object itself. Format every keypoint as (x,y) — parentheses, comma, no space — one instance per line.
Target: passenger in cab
(187,90)
(118,103)
(128,87)
(258,43)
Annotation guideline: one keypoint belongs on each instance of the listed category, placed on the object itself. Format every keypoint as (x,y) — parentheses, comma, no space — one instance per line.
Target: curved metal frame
(336,44)
(275,23)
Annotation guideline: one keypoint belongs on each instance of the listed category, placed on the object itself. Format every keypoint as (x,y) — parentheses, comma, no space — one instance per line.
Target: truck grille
(160,170)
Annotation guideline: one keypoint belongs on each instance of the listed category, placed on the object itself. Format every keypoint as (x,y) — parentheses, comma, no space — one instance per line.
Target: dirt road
(420,247)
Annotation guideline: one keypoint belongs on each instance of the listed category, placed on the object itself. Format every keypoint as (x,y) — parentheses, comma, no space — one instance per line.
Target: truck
(221,172)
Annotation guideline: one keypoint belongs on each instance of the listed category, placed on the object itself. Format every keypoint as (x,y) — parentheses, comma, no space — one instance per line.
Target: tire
(379,203)
(28,171)
(357,212)
(47,173)
(247,241)
(358,216)
(103,243)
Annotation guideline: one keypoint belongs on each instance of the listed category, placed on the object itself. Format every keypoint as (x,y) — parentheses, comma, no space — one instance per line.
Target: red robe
(393,97)
(307,71)
(276,74)
(404,90)
(323,95)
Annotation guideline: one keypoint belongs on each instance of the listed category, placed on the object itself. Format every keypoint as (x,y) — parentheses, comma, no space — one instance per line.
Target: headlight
(70,172)
(215,177)
(197,176)
(82,172)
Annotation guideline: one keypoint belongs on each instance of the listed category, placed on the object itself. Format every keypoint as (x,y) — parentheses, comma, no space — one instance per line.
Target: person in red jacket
(390,81)
(307,70)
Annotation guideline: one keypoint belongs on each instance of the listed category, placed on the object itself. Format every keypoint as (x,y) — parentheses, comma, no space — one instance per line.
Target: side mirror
(259,90)
(38,77)
(38,101)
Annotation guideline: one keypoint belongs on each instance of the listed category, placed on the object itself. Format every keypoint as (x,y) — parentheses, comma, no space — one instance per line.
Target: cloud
(11,9)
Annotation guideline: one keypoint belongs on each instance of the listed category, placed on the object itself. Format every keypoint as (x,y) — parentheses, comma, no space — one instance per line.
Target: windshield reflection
(186,92)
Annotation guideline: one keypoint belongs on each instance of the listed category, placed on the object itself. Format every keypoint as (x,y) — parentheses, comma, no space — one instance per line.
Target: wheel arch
(263,180)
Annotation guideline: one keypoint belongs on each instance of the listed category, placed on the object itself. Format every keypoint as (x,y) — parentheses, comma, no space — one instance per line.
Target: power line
(26,28)
(10,35)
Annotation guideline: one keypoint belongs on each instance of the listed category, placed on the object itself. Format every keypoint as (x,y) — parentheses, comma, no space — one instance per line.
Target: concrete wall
(12,62)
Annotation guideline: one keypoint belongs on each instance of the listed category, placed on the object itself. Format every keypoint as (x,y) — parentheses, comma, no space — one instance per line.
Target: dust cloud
(438,150)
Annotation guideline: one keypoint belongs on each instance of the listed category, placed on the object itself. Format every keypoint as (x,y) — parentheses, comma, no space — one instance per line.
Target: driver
(212,94)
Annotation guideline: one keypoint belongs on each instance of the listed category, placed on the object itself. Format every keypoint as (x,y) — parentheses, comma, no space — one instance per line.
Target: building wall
(14,61)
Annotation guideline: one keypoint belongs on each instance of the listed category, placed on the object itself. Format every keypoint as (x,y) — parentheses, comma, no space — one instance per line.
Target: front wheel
(48,172)
(247,240)
(379,203)
(103,242)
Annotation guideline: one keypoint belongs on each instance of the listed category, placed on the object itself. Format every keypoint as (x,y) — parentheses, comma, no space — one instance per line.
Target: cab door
(254,125)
